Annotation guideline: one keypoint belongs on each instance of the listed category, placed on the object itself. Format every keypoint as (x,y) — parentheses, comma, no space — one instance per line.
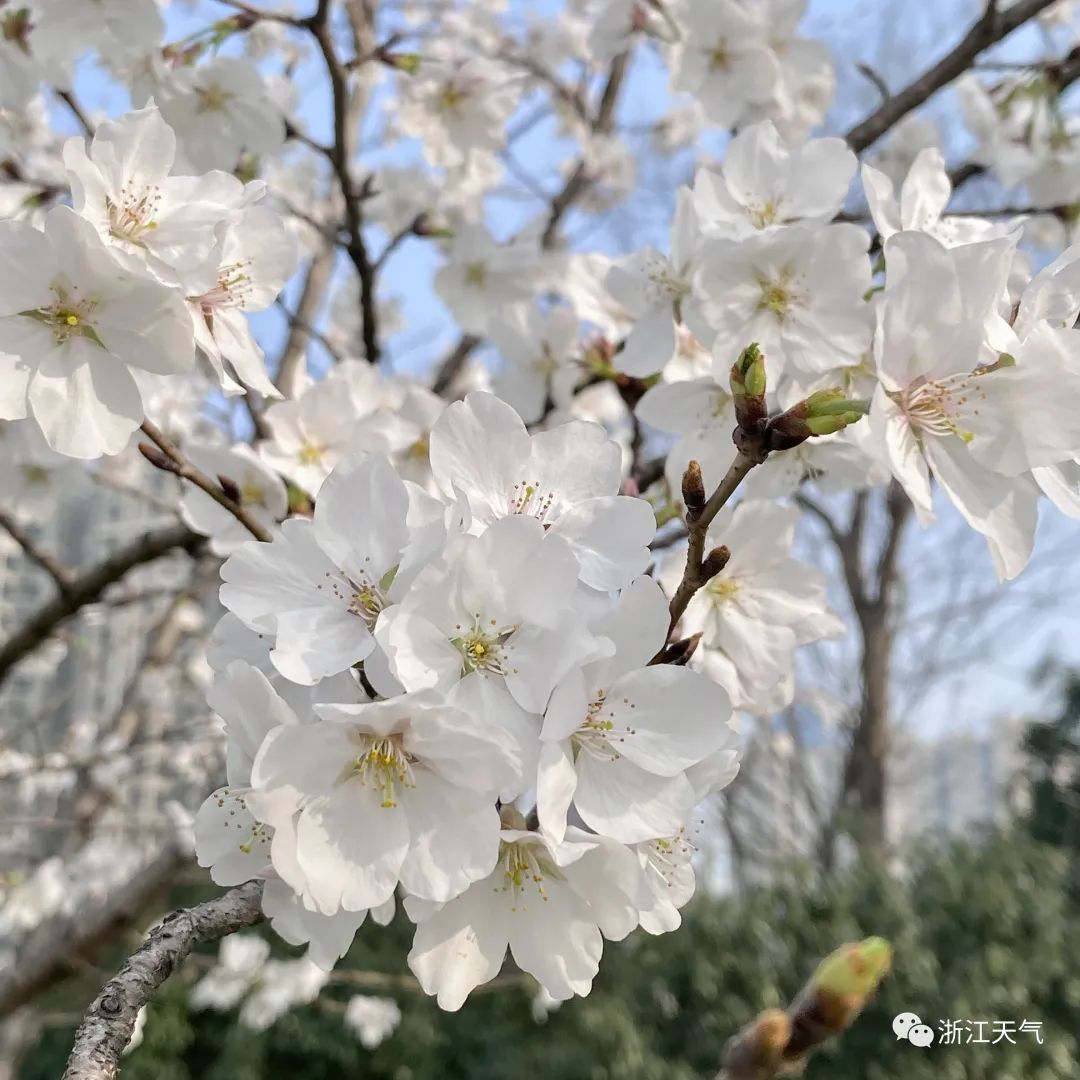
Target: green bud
(748,388)
(854,970)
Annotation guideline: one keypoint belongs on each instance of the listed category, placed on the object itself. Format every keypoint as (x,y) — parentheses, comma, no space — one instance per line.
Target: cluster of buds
(778,1042)
(758,433)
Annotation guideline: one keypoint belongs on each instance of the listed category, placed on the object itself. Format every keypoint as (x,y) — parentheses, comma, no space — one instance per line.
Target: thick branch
(316,281)
(107,1026)
(88,587)
(990,28)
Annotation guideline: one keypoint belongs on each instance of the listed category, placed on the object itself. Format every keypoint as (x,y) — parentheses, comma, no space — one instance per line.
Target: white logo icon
(907,1025)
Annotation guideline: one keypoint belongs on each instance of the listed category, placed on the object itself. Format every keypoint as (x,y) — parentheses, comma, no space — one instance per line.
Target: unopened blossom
(260,491)
(255,257)
(73,325)
(550,904)
(219,111)
(124,187)
(799,292)
(370,795)
(723,59)
(619,735)
(758,609)
(566,478)
(319,587)
(655,289)
(767,181)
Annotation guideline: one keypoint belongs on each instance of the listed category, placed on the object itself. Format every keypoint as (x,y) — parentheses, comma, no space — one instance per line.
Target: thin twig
(61,575)
(178,464)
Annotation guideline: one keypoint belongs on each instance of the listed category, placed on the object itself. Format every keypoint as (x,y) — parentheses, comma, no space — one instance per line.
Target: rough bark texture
(107,1026)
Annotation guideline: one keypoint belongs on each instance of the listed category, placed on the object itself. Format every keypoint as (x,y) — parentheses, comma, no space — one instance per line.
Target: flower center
(529,500)
(723,589)
(483,648)
(68,316)
(719,57)
(451,98)
(669,855)
(234,283)
(385,765)
(936,406)
(310,453)
(524,870)
(364,598)
(213,97)
(475,274)
(777,295)
(134,214)
(765,214)
(598,736)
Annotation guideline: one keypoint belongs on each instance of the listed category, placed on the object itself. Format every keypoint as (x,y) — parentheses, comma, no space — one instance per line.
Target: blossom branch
(316,282)
(988,30)
(171,460)
(48,562)
(109,1022)
(88,588)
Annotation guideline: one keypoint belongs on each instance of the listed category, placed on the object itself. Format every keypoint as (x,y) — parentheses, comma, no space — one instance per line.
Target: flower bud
(157,458)
(715,561)
(680,653)
(758,1050)
(822,413)
(231,488)
(693,491)
(748,387)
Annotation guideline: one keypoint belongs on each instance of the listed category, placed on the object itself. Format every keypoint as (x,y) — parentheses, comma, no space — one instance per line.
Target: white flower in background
(758,609)
(798,292)
(566,478)
(550,904)
(619,735)
(723,60)
(219,111)
(166,223)
(456,109)
(537,366)
(73,323)
(241,962)
(256,256)
(111,26)
(372,1019)
(620,24)
(767,181)
(283,984)
(370,795)
(933,410)
(319,586)
(482,277)
(261,493)
(903,145)
(655,289)
(228,839)
(32,473)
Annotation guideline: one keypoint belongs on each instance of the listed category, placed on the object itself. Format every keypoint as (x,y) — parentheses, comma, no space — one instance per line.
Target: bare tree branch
(48,562)
(107,1026)
(988,30)
(88,587)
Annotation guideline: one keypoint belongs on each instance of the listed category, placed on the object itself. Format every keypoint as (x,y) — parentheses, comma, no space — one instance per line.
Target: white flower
(256,256)
(373,1019)
(723,60)
(481,277)
(498,612)
(241,961)
(566,478)
(536,350)
(219,110)
(550,904)
(123,187)
(932,406)
(283,984)
(619,735)
(655,289)
(370,795)
(767,181)
(797,292)
(262,494)
(228,839)
(758,609)
(320,585)
(73,323)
